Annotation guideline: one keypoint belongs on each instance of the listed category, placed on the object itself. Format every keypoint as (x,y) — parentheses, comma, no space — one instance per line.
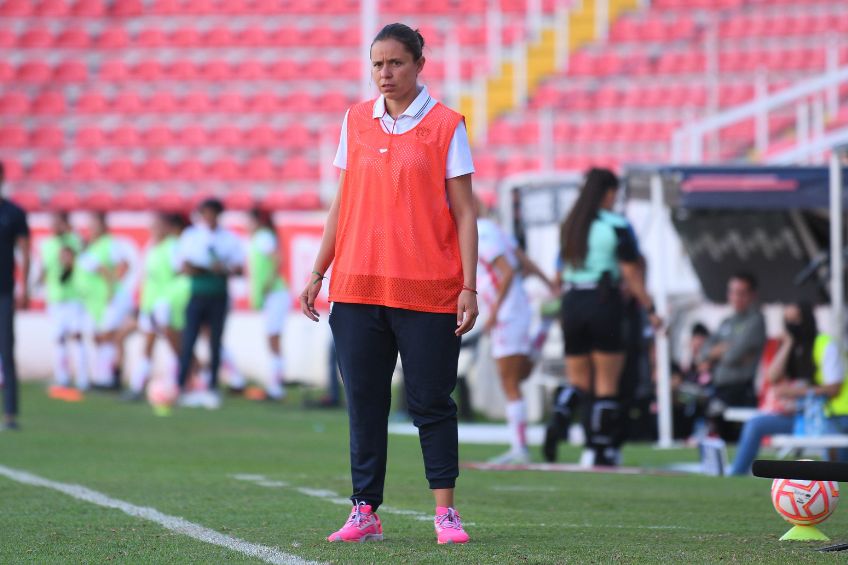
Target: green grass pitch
(183,465)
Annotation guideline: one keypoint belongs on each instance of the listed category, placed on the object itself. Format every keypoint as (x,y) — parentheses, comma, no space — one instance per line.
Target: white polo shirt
(459,160)
(200,246)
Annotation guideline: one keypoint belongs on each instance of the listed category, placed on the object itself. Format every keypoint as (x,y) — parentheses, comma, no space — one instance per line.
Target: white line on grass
(328,495)
(173,523)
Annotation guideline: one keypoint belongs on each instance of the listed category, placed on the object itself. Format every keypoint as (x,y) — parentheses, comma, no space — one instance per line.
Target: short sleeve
(489,246)
(627,249)
(459,161)
(833,371)
(265,243)
(340,161)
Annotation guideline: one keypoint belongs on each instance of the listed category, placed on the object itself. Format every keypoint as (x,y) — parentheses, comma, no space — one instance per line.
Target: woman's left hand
(466,312)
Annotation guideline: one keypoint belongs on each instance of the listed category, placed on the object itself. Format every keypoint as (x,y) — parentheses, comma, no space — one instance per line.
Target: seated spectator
(689,385)
(732,354)
(791,374)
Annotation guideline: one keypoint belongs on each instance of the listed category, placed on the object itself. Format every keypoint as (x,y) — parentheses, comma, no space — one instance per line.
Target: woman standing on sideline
(403,234)
(269,293)
(598,250)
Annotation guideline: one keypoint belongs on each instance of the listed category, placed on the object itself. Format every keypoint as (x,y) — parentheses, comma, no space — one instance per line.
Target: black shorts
(592,321)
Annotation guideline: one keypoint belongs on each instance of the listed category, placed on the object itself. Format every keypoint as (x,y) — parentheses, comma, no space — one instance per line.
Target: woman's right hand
(307,298)
(655,321)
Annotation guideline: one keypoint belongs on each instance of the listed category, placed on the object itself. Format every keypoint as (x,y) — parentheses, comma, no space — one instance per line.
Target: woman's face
(393,70)
(608,203)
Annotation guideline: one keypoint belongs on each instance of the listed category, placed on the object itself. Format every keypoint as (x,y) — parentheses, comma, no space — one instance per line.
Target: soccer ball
(804,503)
(162,392)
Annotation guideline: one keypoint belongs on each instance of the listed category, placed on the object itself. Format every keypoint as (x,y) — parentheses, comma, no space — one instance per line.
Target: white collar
(413,110)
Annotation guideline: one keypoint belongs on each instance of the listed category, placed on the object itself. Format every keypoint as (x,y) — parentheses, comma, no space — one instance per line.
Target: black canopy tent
(770,221)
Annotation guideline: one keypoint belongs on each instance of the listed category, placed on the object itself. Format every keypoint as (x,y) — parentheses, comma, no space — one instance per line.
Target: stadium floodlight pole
(818,125)
(368,28)
(663,362)
(837,292)
(519,72)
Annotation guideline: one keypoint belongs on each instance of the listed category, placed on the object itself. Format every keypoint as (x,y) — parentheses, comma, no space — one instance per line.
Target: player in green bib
(108,297)
(62,280)
(269,293)
(158,308)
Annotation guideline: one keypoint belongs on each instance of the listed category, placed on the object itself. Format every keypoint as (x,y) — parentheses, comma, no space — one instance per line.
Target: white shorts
(276,310)
(511,337)
(155,321)
(66,318)
(118,310)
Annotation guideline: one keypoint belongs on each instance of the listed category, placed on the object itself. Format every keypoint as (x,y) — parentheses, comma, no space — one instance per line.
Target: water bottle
(798,425)
(818,417)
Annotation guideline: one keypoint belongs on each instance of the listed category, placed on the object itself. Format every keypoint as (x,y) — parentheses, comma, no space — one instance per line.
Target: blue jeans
(752,436)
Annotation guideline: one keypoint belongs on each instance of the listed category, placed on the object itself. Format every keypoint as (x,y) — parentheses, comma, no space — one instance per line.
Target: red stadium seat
(34,72)
(8,40)
(136,199)
(151,37)
(52,8)
(13,136)
(48,169)
(297,136)
(14,170)
(14,104)
(262,135)
(148,71)
(157,136)
(250,70)
(226,136)
(86,170)
(170,201)
(48,137)
(102,201)
(220,37)
(224,169)
(114,70)
(169,7)
(73,38)
(185,37)
(230,103)
(155,170)
(89,8)
(113,38)
(260,169)
(70,71)
(49,103)
(16,8)
(190,170)
(64,200)
(162,102)
(193,136)
(127,102)
(124,8)
(92,103)
(196,103)
(299,168)
(29,201)
(254,36)
(239,199)
(90,137)
(121,170)
(265,103)
(124,136)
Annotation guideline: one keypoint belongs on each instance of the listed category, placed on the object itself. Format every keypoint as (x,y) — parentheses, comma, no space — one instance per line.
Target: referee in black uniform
(14,232)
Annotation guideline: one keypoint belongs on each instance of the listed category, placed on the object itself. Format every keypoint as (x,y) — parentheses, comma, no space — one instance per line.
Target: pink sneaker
(362,525)
(449,526)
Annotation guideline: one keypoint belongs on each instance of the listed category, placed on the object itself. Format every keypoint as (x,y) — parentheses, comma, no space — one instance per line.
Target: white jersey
(494,243)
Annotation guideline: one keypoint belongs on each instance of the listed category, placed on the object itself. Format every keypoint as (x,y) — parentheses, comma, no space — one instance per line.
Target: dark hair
(800,364)
(263,217)
(411,39)
(574,234)
(212,204)
(177,220)
(700,329)
(747,278)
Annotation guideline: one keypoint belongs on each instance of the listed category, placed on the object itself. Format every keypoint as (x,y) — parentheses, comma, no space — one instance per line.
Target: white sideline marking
(173,523)
(328,495)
